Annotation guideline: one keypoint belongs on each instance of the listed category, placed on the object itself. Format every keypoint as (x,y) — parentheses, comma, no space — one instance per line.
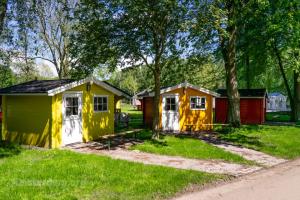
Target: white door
(72,118)
(170,113)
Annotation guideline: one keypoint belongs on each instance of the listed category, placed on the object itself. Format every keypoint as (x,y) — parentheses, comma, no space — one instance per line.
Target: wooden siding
(27,120)
(200,119)
(147,107)
(37,120)
(94,124)
(252,110)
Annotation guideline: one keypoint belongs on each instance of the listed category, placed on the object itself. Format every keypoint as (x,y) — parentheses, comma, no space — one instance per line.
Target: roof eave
(83,81)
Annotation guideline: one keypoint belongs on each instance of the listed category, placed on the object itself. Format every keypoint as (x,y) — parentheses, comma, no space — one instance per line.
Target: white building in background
(277,102)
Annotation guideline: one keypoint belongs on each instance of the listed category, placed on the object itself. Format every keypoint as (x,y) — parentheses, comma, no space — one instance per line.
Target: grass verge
(281,141)
(185,147)
(61,174)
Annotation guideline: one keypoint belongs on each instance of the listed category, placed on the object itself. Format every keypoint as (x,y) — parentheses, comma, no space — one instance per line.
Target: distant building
(277,102)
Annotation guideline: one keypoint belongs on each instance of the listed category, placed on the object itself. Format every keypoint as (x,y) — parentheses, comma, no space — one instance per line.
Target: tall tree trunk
(3,9)
(155,125)
(229,55)
(286,83)
(297,95)
(248,74)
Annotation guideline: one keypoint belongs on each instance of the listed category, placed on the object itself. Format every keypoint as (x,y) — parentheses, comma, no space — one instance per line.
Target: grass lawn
(278,116)
(61,174)
(136,118)
(281,141)
(185,147)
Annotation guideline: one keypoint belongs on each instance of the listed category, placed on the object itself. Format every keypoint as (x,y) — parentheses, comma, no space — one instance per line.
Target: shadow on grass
(146,135)
(241,139)
(8,149)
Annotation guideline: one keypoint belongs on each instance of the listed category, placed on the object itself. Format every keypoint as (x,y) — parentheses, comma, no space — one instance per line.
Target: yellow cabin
(54,113)
(183,107)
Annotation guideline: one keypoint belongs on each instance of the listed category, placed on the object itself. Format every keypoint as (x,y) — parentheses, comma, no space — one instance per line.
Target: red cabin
(252,106)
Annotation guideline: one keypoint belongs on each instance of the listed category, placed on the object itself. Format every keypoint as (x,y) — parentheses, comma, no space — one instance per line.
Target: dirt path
(211,166)
(277,183)
(253,155)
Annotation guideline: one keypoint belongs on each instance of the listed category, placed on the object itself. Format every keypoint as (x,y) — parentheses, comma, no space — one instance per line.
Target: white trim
(187,85)
(73,92)
(65,118)
(83,81)
(67,87)
(24,94)
(100,111)
(200,98)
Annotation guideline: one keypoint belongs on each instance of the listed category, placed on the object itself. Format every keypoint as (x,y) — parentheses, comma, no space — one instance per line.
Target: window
(100,103)
(170,104)
(198,103)
(71,106)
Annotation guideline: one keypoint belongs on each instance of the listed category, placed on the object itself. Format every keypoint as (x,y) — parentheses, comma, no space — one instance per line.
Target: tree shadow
(8,149)
(241,139)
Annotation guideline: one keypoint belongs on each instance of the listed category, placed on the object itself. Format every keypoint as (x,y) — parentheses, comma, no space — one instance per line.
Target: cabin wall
(200,119)
(27,120)
(252,110)
(94,124)
(147,107)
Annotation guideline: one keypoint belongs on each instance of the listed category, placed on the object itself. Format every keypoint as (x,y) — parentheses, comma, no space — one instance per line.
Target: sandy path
(211,166)
(250,154)
(279,183)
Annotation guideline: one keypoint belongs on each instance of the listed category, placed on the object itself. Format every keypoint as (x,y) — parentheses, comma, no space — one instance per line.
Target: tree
(143,32)
(54,21)
(217,25)
(279,31)
(3,9)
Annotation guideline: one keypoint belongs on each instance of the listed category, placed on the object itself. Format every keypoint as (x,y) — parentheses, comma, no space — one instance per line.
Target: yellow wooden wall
(202,119)
(27,120)
(94,124)
(37,120)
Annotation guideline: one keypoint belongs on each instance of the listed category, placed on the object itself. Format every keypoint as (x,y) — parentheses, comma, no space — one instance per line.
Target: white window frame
(200,100)
(99,111)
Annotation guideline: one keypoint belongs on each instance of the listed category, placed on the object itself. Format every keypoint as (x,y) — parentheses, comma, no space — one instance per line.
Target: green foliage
(6,76)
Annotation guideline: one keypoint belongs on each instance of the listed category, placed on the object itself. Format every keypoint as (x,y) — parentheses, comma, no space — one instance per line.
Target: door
(170,113)
(72,118)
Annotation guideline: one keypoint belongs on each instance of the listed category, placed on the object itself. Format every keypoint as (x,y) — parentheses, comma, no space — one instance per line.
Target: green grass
(278,116)
(185,147)
(281,141)
(136,118)
(61,174)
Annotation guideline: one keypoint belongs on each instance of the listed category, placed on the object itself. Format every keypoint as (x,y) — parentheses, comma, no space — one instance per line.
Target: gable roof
(146,93)
(53,87)
(244,93)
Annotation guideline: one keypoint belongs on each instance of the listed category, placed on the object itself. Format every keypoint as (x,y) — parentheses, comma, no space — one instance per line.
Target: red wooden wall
(147,108)
(252,110)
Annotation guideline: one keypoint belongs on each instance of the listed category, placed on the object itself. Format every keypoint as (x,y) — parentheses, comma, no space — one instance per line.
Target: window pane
(68,111)
(173,107)
(68,101)
(168,101)
(172,100)
(203,100)
(95,107)
(75,111)
(95,100)
(104,99)
(75,101)
(100,100)
(104,107)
